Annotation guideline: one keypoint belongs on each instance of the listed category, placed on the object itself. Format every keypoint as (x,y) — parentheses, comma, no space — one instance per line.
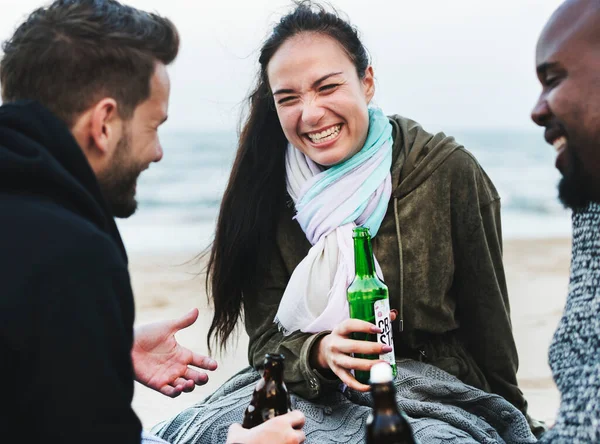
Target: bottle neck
(384,396)
(273,371)
(363,257)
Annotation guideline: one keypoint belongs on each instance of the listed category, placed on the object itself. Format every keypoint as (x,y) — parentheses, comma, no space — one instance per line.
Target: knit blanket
(440,409)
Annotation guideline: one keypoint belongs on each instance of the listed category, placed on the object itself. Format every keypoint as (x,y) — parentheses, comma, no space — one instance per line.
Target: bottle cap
(381,373)
(273,360)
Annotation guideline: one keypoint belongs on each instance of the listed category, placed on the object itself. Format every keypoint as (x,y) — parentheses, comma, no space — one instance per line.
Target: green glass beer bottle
(368,299)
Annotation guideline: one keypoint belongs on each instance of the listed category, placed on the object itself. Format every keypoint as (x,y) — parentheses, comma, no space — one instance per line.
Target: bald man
(568,67)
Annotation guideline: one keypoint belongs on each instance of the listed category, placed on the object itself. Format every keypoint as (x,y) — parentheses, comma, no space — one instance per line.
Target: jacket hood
(416,154)
(40,157)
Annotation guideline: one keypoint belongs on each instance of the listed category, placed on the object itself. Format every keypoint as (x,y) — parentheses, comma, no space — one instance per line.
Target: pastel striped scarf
(329,204)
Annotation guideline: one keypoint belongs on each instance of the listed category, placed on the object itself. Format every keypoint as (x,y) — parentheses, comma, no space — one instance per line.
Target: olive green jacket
(440,250)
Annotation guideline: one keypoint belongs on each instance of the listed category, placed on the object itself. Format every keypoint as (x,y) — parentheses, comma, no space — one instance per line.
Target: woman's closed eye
(287,100)
(329,87)
(325,89)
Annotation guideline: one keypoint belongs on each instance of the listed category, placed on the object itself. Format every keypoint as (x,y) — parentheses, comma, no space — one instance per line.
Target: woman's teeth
(325,136)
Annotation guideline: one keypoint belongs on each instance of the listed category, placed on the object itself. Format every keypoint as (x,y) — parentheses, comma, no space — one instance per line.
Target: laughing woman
(315,160)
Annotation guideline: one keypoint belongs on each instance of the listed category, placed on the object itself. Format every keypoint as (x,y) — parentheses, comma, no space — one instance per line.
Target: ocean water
(179,197)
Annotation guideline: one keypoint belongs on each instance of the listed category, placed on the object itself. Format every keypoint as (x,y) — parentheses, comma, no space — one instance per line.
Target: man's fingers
(198,378)
(234,432)
(184,384)
(393,314)
(295,418)
(178,382)
(204,362)
(300,436)
(171,392)
(189,386)
(235,426)
(186,320)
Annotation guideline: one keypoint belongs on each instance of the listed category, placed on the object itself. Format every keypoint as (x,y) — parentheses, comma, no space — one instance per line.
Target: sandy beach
(167,285)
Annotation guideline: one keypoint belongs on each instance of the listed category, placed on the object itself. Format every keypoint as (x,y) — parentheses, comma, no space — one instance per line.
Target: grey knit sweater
(575,351)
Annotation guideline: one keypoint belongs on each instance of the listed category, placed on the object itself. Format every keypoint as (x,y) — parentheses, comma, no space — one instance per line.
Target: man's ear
(106,125)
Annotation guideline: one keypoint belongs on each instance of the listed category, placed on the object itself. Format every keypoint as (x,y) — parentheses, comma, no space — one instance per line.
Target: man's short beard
(574,189)
(119,181)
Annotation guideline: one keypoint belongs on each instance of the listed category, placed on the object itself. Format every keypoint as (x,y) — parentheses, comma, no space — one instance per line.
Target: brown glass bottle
(385,424)
(270,397)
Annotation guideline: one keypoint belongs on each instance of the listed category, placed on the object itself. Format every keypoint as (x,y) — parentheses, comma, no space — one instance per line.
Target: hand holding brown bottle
(283,429)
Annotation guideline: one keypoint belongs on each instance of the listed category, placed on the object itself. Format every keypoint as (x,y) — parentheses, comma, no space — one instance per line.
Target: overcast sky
(447,64)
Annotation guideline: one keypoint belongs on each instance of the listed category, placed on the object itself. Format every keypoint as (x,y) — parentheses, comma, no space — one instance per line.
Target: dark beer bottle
(369,300)
(270,397)
(385,424)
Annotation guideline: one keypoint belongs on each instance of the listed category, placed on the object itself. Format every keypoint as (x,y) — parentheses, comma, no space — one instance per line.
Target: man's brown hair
(74,52)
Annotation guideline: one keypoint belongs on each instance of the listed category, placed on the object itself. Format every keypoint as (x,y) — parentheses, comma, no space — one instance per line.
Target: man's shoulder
(51,236)
(48,255)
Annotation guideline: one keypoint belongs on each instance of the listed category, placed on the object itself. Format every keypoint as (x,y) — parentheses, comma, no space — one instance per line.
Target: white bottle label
(382,320)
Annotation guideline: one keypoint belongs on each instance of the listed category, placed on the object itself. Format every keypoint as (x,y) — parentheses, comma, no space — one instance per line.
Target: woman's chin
(328,162)
(329,158)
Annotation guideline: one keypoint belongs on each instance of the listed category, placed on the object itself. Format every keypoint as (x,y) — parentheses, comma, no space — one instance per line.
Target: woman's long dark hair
(256,192)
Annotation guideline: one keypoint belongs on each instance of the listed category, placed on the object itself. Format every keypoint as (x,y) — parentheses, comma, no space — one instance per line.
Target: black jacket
(66,305)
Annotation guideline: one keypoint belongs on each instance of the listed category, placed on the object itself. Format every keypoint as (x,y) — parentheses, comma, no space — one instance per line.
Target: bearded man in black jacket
(85,88)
